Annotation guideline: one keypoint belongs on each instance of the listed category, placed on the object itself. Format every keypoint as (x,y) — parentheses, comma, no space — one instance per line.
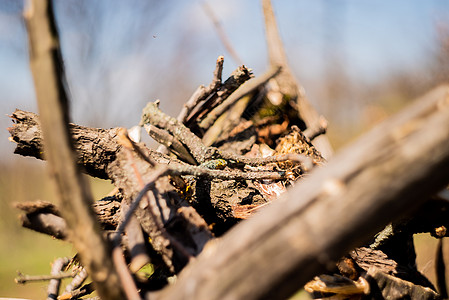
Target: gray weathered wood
(49,81)
(380,177)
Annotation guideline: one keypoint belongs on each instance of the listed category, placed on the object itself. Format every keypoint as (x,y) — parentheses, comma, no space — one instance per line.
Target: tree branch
(380,177)
(203,92)
(22,279)
(236,79)
(55,283)
(221,33)
(289,87)
(95,148)
(246,88)
(50,85)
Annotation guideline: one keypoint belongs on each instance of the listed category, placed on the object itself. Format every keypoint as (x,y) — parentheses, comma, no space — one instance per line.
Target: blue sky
(121,54)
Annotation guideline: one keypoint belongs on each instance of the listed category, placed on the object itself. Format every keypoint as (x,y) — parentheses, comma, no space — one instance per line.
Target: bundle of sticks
(236,147)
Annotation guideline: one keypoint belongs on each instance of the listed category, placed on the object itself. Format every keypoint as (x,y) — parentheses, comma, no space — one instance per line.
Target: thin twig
(163,137)
(202,92)
(136,245)
(128,284)
(236,79)
(276,52)
(242,91)
(135,242)
(226,175)
(307,161)
(153,115)
(221,33)
(83,291)
(159,171)
(218,73)
(440,269)
(197,96)
(22,279)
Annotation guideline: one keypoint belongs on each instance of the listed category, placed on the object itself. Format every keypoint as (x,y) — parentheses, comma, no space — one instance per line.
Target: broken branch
(243,90)
(202,92)
(22,279)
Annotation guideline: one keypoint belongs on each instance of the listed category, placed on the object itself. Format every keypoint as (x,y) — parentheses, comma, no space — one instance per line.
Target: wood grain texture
(380,177)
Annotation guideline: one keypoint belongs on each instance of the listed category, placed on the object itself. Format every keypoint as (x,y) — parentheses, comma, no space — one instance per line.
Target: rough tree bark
(337,207)
(380,177)
(27,134)
(327,213)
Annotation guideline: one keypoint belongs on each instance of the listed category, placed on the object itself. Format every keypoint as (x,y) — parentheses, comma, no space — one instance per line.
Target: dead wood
(203,92)
(375,284)
(226,210)
(209,157)
(77,281)
(284,87)
(54,284)
(95,147)
(165,213)
(50,85)
(136,244)
(170,142)
(108,211)
(378,178)
(167,209)
(27,135)
(215,98)
(440,267)
(45,217)
(22,278)
(46,223)
(364,258)
(78,293)
(245,89)
(384,286)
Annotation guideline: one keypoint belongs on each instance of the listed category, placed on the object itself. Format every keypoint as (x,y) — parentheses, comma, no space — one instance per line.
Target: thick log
(45,217)
(102,159)
(95,148)
(377,179)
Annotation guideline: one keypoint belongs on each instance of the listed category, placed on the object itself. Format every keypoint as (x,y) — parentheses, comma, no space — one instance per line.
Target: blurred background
(358,61)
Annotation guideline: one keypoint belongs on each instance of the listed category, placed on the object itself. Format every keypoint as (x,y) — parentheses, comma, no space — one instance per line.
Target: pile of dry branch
(247,153)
